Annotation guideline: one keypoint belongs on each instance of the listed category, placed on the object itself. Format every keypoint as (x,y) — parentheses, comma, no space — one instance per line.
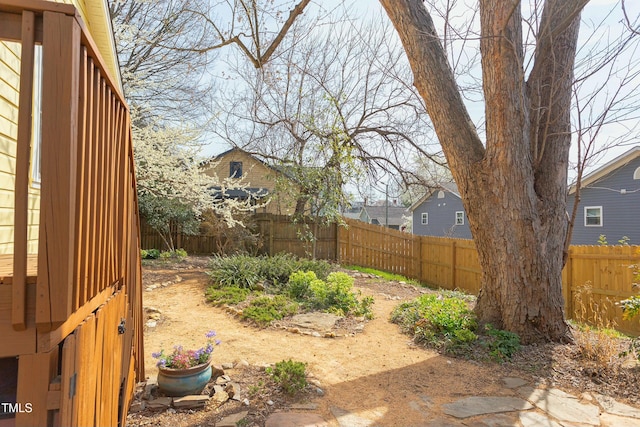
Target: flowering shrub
(181,358)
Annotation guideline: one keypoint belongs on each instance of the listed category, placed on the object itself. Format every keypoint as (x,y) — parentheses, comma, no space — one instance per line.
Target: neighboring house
(609,202)
(262,181)
(440,213)
(70,287)
(387,216)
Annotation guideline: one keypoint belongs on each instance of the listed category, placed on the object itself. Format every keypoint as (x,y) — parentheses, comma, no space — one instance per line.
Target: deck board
(6,268)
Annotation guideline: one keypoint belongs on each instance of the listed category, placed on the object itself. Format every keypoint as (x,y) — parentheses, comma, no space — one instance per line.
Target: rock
(178,279)
(137,406)
(294,330)
(216,371)
(270,402)
(472,406)
(513,382)
(315,321)
(319,391)
(227,365)
(190,402)
(305,406)
(223,379)
(618,421)
(243,363)
(154,316)
(533,419)
(314,382)
(232,420)
(348,419)
(149,390)
(295,419)
(329,335)
(159,403)
(316,334)
(151,310)
(245,402)
(220,397)
(233,390)
(562,406)
(151,324)
(611,406)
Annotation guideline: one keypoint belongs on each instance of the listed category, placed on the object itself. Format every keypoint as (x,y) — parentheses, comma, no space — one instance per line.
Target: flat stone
(220,397)
(513,382)
(348,419)
(304,406)
(533,419)
(611,420)
(616,408)
(232,420)
(233,390)
(442,422)
(160,403)
(497,420)
(137,406)
(562,406)
(294,419)
(227,365)
(472,406)
(191,401)
(315,321)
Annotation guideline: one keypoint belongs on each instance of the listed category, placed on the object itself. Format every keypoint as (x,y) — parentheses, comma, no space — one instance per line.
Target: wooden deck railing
(88,244)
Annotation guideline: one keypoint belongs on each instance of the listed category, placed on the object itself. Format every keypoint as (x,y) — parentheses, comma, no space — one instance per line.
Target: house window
(425,218)
(36,131)
(235,169)
(593,216)
(460,218)
(636,173)
(440,194)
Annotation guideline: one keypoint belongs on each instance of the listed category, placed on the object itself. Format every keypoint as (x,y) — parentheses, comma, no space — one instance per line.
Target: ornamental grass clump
(180,358)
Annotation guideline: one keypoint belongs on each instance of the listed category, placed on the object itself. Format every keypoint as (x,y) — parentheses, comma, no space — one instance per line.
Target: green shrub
(502,344)
(265,309)
(149,253)
(247,271)
(436,320)
(299,283)
(227,295)
(335,296)
(177,255)
(241,271)
(289,375)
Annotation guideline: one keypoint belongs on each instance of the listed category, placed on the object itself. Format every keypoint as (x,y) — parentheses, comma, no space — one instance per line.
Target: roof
(608,167)
(379,214)
(449,187)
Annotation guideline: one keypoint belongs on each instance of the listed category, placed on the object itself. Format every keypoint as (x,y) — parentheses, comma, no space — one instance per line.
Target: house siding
(9,94)
(620,212)
(442,217)
(256,175)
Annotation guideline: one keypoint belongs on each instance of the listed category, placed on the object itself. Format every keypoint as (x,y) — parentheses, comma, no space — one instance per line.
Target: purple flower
(156,355)
(210,334)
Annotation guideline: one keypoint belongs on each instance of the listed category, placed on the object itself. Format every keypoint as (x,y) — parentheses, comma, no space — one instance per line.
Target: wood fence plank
(35,372)
(69,384)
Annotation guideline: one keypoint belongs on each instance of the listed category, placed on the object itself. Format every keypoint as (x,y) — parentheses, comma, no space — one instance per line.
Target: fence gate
(97,366)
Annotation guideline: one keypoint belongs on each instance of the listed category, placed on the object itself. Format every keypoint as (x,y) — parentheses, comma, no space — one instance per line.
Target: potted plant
(184,372)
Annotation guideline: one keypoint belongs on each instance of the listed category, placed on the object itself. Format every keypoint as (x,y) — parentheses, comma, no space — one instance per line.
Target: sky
(593,13)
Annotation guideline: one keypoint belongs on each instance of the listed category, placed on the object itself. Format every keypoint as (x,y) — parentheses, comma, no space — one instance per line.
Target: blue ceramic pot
(181,382)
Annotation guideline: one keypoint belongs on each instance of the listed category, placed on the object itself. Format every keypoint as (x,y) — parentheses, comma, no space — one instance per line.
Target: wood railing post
(23,159)
(61,57)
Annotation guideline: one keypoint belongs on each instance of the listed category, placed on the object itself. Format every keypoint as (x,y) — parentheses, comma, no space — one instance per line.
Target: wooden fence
(594,279)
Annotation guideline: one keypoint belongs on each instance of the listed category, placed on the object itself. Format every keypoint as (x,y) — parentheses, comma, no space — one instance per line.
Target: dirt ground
(373,369)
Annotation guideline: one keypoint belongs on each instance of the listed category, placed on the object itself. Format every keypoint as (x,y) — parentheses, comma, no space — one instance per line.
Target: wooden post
(568,295)
(453,264)
(61,56)
(417,258)
(23,159)
(35,373)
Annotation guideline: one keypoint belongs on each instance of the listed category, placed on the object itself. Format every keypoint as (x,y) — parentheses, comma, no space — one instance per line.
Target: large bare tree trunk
(514,186)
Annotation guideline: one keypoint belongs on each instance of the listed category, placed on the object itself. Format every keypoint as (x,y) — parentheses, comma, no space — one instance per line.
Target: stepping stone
(611,406)
(618,421)
(533,419)
(513,382)
(295,419)
(472,406)
(499,420)
(562,406)
(348,419)
(315,321)
(232,420)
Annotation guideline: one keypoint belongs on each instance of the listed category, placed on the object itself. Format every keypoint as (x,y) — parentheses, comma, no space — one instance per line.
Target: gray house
(609,202)
(609,205)
(440,213)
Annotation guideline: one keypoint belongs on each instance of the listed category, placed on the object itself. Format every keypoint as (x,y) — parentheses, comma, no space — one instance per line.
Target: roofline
(429,193)
(607,168)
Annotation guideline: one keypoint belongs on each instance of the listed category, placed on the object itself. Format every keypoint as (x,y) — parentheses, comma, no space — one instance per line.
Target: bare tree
(519,174)
(333,108)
